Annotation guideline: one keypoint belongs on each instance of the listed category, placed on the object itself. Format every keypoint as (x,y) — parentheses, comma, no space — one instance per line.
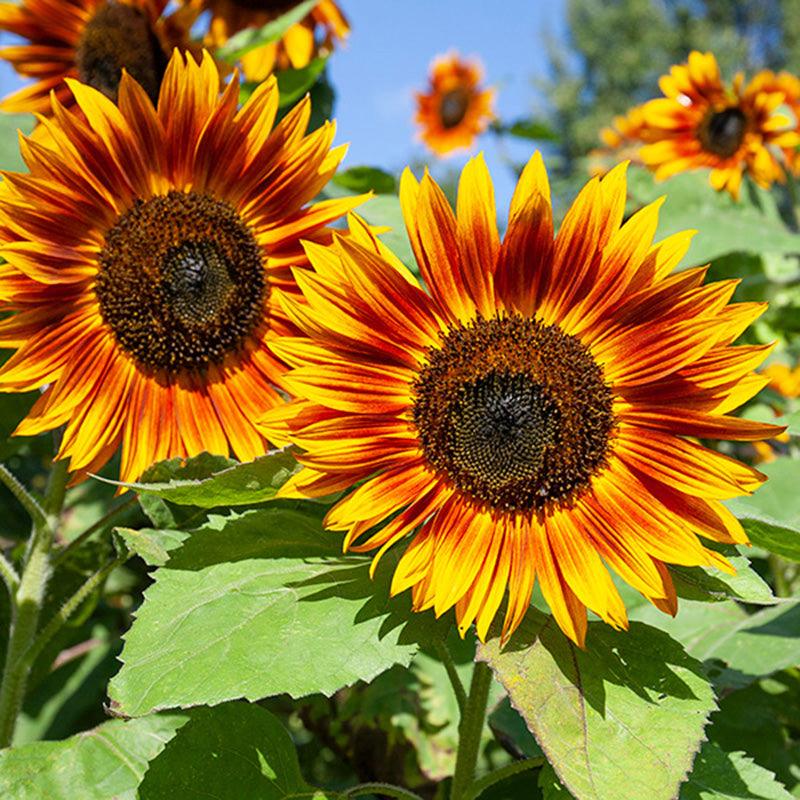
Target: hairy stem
(28,600)
(470,730)
(92,529)
(458,687)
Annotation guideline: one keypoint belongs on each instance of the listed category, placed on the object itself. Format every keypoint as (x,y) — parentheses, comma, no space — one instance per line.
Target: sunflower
(524,415)
(788,86)
(91,40)
(700,122)
(621,139)
(313,36)
(454,110)
(142,252)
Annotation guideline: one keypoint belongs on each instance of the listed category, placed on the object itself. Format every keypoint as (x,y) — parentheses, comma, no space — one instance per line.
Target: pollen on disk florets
(181,281)
(515,413)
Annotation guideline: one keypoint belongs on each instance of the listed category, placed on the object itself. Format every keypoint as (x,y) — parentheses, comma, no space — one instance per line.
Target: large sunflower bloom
(90,40)
(701,123)
(525,414)
(454,110)
(315,35)
(142,252)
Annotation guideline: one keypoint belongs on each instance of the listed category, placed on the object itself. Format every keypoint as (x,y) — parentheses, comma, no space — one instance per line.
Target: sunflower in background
(454,110)
(142,253)
(785,381)
(527,414)
(314,36)
(90,40)
(702,123)
(788,85)
(621,140)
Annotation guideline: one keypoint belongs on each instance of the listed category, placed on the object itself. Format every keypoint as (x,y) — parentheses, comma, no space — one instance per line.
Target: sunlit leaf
(364,179)
(621,720)
(260,604)
(108,761)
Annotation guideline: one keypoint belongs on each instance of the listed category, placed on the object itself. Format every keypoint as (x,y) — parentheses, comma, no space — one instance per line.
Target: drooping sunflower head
(91,41)
(313,36)
(528,411)
(732,130)
(455,109)
(142,252)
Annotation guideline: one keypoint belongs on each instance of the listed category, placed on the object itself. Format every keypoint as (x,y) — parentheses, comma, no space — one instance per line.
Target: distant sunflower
(621,140)
(784,381)
(455,109)
(527,416)
(142,253)
(313,36)
(90,40)
(788,85)
(700,122)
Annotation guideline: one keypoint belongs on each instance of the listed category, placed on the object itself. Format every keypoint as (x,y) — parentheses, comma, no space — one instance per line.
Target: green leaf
(711,584)
(530,129)
(771,516)
(718,775)
(621,720)
(750,645)
(384,211)
(10,158)
(241,484)
(151,545)
(724,225)
(792,423)
(364,179)
(251,607)
(108,761)
(762,720)
(551,787)
(231,752)
(250,38)
(294,83)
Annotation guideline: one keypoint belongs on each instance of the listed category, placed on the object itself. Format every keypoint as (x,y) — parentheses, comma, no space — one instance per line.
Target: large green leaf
(771,516)
(240,484)
(106,762)
(750,226)
(718,775)
(749,645)
(256,605)
(366,179)
(621,720)
(231,752)
(248,39)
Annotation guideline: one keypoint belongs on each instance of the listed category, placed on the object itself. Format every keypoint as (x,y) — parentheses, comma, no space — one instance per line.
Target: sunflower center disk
(181,282)
(723,131)
(453,107)
(117,36)
(514,413)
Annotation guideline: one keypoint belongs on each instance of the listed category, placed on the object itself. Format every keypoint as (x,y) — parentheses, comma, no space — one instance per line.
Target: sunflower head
(91,41)
(313,36)
(142,251)
(526,411)
(455,109)
(730,129)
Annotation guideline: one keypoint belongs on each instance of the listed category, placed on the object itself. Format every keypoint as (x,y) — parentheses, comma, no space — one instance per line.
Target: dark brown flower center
(515,413)
(117,36)
(722,132)
(268,6)
(181,281)
(453,107)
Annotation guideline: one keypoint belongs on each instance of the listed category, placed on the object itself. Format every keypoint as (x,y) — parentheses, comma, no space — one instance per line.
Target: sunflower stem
(10,577)
(514,768)
(470,730)
(458,687)
(27,602)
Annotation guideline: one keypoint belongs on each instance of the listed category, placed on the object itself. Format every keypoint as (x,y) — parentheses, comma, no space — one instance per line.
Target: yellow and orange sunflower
(525,413)
(143,250)
(702,123)
(621,140)
(90,40)
(788,85)
(454,110)
(313,36)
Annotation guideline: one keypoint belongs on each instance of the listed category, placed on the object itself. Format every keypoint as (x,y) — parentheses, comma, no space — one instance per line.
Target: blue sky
(386,59)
